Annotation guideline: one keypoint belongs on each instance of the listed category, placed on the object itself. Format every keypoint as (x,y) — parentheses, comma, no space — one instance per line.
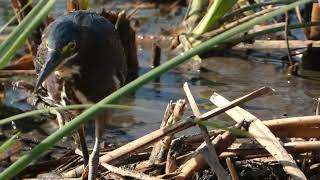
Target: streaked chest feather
(68,72)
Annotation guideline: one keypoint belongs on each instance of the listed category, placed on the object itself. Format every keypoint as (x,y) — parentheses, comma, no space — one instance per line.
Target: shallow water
(230,77)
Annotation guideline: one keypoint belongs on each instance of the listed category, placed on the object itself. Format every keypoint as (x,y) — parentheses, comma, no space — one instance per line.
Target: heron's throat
(68,72)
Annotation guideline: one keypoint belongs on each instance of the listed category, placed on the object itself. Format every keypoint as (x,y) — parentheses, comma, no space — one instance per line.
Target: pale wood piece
(264,136)
(211,154)
(232,169)
(129,173)
(277,44)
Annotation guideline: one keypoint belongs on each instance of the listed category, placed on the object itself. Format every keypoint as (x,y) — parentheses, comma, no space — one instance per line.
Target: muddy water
(231,77)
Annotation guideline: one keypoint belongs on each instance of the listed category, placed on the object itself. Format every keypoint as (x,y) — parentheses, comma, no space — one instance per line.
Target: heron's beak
(53,60)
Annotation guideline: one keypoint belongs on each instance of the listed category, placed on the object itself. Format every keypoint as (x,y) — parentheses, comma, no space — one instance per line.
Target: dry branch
(257,151)
(232,169)
(264,136)
(161,148)
(175,149)
(210,153)
(254,152)
(304,121)
(181,125)
(235,23)
(129,173)
(278,44)
(160,133)
(303,132)
(197,161)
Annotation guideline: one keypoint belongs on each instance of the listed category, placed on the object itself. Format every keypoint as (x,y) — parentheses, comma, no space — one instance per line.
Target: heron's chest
(71,95)
(69,92)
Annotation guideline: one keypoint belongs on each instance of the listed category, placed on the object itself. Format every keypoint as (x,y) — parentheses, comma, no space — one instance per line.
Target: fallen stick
(171,161)
(6,73)
(293,122)
(278,44)
(303,127)
(257,152)
(232,169)
(197,161)
(181,125)
(160,149)
(124,172)
(265,27)
(235,23)
(211,154)
(292,147)
(302,132)
(264,136)
(160,133)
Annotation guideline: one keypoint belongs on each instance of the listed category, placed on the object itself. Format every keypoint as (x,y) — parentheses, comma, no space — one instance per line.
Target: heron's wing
(39,60)
(42,51)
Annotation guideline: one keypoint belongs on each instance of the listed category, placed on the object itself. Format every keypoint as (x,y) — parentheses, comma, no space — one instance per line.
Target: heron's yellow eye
(69,47)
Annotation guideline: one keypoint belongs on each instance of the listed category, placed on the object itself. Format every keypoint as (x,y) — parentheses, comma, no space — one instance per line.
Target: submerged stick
(286,33)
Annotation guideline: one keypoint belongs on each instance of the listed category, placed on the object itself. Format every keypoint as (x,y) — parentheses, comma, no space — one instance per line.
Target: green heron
(80,60)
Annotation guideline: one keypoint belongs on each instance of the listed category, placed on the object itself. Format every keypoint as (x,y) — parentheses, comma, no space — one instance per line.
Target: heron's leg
(83,146)
(81,137)
(60,118)
(94,156)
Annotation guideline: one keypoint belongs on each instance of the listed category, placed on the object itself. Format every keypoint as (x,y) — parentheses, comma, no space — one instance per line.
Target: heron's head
(62,45)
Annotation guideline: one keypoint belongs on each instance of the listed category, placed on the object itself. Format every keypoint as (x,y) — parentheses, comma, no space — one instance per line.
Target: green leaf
(20,34)
(84,4)
(217,10)
(15,16)
(8,143)
(233,131)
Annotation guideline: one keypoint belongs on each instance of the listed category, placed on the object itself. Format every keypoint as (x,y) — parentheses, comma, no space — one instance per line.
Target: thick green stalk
(218,9)
(196,8)
(21,163)
(17,38)
(14,17)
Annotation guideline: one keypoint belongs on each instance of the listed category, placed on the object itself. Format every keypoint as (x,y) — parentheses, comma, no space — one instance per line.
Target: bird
(80,60)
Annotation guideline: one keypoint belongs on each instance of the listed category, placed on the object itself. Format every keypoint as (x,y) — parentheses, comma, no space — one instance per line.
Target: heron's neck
(67,73)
